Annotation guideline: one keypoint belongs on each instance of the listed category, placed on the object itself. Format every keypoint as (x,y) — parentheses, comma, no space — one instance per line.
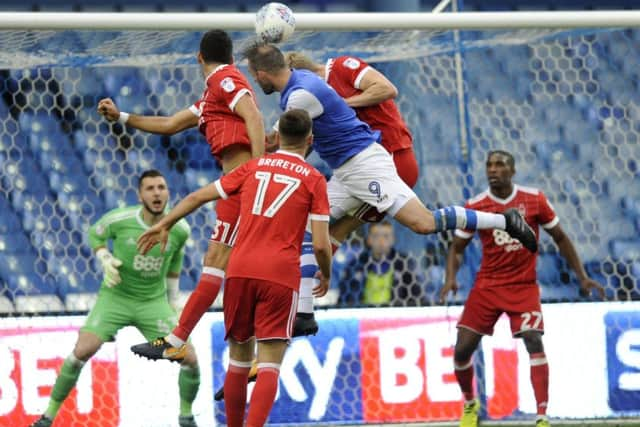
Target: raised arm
(159,233)
(568,252)
(248,110)
(164,125)
(454,260)
(375,87)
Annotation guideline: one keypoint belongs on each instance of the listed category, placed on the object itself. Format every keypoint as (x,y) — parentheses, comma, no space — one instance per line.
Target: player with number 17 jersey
(275,192)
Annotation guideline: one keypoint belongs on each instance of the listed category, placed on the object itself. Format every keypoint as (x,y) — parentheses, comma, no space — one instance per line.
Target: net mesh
(561,101)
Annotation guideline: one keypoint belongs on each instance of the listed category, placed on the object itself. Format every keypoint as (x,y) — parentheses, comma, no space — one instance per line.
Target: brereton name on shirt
(285,164)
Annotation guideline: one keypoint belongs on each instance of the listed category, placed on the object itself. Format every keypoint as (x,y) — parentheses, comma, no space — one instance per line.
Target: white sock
(305,298)
(490,220)
(174,340)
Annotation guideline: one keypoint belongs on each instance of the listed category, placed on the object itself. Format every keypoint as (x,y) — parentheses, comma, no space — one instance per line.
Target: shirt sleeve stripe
(221,191)
(463,234)
(236,98)
(360,76)
(194,110)
(318,217)
(551,223)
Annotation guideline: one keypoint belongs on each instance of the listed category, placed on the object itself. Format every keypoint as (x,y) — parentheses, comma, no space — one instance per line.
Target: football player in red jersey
(371,95)
(279,193)
(506,282)
(229,119)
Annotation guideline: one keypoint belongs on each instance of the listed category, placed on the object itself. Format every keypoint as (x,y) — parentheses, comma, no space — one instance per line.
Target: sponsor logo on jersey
(131,241)
(623,360)
(227,84)
(352,63)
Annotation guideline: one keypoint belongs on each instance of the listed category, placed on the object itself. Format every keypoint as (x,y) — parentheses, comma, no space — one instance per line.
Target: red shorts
(521,303)
(227,216)
(406,165)
(258,308)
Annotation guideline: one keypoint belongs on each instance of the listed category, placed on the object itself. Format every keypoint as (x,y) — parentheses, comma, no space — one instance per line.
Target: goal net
(563,102)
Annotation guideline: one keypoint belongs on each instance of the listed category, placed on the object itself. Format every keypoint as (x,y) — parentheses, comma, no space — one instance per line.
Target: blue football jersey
(338,134)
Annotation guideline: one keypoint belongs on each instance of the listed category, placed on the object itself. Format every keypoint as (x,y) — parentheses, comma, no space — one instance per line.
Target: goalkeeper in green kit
(137,290)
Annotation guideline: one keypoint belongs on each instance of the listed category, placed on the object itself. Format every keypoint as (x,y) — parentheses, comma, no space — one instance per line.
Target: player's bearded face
(154,194)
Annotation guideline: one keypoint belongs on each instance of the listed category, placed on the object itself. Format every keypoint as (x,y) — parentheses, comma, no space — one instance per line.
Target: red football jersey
(218,122)
(504,260)
(278,193)
(344,74)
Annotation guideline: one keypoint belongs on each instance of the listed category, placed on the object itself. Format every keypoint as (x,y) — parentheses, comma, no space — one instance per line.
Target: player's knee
(533,342)
(421,226)
(190,359)
(85,350)
(462,353)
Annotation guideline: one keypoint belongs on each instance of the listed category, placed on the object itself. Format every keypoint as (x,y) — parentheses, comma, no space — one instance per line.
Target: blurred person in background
(381,275)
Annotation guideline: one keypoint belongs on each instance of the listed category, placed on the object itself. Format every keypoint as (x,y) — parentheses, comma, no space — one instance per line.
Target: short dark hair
(294,126)
(510,160)
(216,46)
(151,173)
(265,57)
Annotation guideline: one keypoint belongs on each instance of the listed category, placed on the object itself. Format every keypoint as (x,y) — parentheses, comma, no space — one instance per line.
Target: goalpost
(557,89)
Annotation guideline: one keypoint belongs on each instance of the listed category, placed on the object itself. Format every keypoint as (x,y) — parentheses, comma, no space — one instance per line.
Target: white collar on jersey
(327,69)
(215,70)
(141,220)
(507,199)
(289,153)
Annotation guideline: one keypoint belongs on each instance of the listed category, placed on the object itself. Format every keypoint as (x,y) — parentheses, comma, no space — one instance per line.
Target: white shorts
(368,177)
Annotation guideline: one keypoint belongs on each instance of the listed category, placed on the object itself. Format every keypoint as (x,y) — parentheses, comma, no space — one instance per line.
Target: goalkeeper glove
(110,266)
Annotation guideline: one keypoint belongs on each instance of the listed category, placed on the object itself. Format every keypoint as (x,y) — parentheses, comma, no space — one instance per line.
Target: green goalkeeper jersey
(143,276)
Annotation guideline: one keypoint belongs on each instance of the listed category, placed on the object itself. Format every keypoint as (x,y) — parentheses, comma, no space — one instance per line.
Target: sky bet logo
(313,376)
(623,360)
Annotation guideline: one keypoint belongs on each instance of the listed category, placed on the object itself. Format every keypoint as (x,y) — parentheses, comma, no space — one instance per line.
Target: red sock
(464,375)
(540,380)
(235,392)
(199,301)
(263,395)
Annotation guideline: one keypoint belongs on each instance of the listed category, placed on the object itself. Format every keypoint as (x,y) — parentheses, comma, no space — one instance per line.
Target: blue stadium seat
(625,249)
(14,243)
(547,269)
(196,150)
(23,273)
(9,222)
(38,211)
(187,283)
(72,276)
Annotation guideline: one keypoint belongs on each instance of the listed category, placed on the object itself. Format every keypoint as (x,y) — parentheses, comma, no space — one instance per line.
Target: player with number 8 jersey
(506,282)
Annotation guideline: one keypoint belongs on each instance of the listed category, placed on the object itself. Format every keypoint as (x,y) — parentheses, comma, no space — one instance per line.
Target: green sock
(188,383)
(64,383)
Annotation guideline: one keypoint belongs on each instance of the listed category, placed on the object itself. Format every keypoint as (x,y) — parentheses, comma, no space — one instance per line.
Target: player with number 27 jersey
(504,260)
(507,275)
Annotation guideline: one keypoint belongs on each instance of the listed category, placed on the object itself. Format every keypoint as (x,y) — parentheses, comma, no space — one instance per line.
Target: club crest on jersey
(100,229)
(352,63)
(227,84)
